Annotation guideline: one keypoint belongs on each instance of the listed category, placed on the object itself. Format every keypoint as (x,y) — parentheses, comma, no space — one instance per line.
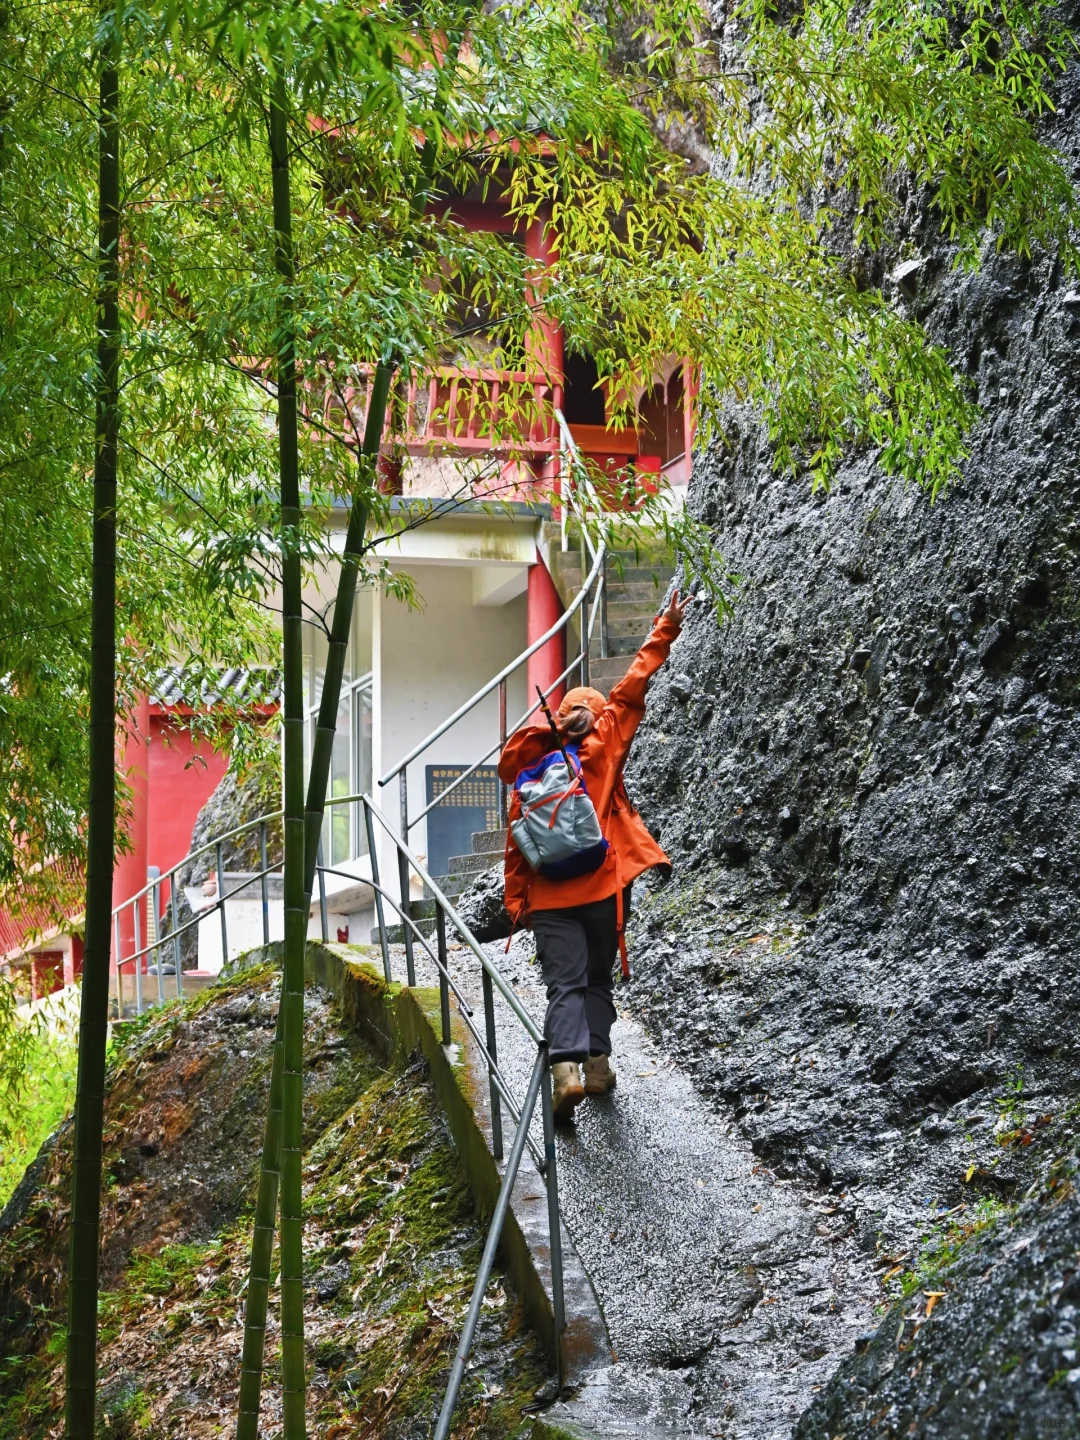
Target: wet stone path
(730,1296)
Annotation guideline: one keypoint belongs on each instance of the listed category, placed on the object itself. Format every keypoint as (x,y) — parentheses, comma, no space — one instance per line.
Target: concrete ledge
(544,1429)
(400,1021)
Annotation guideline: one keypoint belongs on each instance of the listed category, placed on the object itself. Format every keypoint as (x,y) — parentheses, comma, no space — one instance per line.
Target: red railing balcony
(463,411)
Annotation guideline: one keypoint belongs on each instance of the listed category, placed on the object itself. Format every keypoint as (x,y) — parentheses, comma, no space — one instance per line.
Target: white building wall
(429,662)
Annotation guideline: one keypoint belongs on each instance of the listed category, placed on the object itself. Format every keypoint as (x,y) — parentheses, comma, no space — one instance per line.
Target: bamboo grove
(216,217)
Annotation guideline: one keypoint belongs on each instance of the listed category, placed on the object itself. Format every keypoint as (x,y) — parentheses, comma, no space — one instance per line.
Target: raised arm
(626,704)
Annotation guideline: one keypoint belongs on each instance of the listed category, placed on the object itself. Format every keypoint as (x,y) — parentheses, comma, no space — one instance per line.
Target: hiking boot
(567,1091)
(599,1076)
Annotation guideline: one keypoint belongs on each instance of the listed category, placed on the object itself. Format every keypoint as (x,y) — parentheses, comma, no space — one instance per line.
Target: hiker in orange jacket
(578,922)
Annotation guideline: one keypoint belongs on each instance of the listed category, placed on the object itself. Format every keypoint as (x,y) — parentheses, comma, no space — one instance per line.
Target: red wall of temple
(178,789)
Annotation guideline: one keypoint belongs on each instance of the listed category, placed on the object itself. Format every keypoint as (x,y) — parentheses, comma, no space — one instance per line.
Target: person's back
(578,922)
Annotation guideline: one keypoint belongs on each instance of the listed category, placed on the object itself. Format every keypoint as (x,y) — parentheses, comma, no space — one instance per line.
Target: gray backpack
(557,830)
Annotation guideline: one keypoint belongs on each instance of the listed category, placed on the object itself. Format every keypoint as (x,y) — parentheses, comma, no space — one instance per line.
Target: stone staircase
(635,585)
(488,847)
(634,589)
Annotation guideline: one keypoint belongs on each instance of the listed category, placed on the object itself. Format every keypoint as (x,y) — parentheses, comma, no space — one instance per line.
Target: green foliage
(887,97)
(829,124)
(167,609)
(37,1082)
(943,1241)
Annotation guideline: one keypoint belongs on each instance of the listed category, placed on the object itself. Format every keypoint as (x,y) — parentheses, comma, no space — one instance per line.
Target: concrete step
(468,865)
(452,885)
(603,674)
(630,582)
(644,599)
(636,625)
(395,934)
(624,645)
(488,842)
(655,577)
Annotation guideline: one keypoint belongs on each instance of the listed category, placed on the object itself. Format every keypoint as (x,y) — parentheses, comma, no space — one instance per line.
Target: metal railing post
(496,1102)
(323,918)
(221,904)
(583,615)
(444,984)
(265,884)
(384,942)
(558,1308)
(403,877)
(406,909)
(156,898)
(604,610)
(502,742)
(565,481)
(177,958)
(502,1205)
(119,972)
(138,960)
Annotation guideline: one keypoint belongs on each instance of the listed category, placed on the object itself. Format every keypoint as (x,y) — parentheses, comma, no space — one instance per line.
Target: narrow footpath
(730,1296)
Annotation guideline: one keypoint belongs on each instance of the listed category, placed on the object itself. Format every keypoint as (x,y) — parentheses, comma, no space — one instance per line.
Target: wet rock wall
(868,781)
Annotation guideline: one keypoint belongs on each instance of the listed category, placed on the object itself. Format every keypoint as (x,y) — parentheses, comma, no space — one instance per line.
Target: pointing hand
(676,610)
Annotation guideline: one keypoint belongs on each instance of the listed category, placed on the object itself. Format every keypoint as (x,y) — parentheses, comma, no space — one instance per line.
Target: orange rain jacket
(603,753)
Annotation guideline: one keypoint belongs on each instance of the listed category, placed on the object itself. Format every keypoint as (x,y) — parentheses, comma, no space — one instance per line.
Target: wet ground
(730,1296)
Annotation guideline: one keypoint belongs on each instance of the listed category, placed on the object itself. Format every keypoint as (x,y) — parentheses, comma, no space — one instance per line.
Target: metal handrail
(197,919)
(194,854)
(467,774)
(150,893)
(504,674)
(592,584)
(493,980)
(539,1086)
(495,1074)
(540,1077)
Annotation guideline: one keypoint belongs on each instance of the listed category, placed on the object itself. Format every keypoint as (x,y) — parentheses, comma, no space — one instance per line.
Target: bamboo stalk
(292,984)
(270,1176)
(326,727)
(81,1377)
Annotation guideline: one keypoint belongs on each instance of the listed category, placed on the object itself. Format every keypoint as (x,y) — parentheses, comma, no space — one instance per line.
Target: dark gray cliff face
(868,782)
(995,1354)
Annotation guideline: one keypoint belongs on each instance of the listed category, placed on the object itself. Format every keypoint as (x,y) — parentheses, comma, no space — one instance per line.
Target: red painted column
(129,876)
(73,960)
(544,608)
(546,344)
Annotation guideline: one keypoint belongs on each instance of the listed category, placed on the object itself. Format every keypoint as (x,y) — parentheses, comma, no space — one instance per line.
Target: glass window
(361,758)
(319,647)
(340,784)
(363,611)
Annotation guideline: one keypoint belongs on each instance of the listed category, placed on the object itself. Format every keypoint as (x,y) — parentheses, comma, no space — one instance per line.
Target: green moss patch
(391,1243)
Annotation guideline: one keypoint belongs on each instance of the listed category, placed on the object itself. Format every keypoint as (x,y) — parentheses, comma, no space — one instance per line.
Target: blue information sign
(473,806)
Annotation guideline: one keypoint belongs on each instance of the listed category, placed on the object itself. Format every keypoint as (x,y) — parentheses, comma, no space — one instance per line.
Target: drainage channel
(730,1296)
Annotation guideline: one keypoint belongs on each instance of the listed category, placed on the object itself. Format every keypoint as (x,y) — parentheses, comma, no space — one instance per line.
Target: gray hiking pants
(578,950)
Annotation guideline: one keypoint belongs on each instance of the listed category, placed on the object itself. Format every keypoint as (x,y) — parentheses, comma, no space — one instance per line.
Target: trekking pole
(554,730)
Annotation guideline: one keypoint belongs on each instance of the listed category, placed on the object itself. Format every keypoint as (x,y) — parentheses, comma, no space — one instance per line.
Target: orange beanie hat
(582,695)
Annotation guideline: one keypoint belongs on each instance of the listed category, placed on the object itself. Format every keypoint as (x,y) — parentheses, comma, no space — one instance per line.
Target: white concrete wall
(429,662)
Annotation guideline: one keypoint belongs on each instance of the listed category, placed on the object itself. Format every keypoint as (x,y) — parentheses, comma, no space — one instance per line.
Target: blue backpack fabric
(557,829)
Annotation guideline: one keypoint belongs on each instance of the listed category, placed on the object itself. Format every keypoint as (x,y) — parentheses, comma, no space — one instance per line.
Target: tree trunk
(94,1013)
(296,910)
